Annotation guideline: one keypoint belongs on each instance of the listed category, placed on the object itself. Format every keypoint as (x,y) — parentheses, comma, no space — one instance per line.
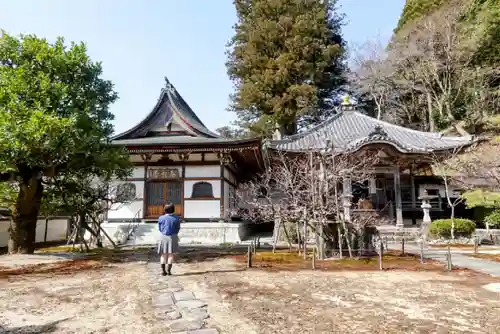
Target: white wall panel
(202,209)
(203,171)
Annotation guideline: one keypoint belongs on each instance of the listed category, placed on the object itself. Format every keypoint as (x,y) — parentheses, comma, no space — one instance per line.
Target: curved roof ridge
(149,115)
(187,108)
(311,130)
(179,106)
(435,135)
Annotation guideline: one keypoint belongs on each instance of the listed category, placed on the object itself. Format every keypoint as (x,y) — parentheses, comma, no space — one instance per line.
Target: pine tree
(287,60)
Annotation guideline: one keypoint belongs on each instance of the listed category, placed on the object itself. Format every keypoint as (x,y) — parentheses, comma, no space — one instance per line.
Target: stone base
(146,233)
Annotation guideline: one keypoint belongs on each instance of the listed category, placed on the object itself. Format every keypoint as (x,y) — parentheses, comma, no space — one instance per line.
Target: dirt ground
(321,301)
(113,297)
(82,296)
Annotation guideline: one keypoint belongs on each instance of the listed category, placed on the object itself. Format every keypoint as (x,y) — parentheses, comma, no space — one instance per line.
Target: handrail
(132,226)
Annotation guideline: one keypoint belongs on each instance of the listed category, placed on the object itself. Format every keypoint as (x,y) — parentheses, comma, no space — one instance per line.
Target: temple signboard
(163,173)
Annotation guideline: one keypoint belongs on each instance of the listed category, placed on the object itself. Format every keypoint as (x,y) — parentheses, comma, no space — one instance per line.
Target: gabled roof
(170,109)
(349,130)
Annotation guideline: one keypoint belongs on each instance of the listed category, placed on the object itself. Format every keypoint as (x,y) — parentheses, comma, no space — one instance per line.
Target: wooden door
(159,194)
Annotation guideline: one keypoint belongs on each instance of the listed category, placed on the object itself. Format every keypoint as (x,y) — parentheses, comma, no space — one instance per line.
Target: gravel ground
(117,299)
(111,300)
(346,302)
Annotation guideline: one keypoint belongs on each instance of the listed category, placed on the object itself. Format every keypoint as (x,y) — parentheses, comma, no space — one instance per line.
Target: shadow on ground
(192,254)
(207,272)
(33,329)
(68,263)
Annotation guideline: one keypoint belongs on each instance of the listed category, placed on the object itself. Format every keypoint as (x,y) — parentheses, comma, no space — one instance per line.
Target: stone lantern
(426,221)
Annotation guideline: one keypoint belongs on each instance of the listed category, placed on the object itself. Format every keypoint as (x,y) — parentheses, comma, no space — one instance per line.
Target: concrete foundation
(146,233)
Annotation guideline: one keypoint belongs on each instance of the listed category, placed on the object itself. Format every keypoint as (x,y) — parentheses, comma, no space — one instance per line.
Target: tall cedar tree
(287,60)
(54,120)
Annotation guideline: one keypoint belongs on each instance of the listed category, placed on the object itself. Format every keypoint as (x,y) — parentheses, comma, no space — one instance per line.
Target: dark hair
(169,208)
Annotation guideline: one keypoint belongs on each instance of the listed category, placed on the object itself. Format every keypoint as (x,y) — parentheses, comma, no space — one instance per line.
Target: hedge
(493,219)
(442,228)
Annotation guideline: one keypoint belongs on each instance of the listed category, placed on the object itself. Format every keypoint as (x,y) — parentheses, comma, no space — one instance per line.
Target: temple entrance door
(160,193)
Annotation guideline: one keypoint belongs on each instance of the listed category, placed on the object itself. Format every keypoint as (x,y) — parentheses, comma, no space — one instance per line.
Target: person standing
(169,226)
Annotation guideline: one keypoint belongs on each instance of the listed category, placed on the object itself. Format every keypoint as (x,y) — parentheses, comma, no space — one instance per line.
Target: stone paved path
(484,266)
(178,308)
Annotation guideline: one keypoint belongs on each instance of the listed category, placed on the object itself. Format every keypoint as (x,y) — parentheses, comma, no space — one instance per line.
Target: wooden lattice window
(202,190)
(161,193)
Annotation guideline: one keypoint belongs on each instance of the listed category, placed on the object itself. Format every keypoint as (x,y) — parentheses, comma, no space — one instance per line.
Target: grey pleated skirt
(168,244)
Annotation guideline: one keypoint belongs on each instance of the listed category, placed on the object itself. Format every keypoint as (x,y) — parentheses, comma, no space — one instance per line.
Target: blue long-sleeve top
(169,224)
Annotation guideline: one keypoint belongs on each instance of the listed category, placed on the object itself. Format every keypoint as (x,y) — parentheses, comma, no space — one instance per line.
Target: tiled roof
(350,130)
(182,140)
(170,104)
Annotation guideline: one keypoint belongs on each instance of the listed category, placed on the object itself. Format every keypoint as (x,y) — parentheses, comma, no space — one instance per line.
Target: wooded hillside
(479,18)
(440,71)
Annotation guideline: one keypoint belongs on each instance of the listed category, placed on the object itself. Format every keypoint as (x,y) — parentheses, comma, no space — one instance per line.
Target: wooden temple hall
(403,174)
(179,160)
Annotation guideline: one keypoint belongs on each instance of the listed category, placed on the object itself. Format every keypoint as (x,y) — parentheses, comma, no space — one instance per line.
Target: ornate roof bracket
(225,158)
(378,131)
(183,156)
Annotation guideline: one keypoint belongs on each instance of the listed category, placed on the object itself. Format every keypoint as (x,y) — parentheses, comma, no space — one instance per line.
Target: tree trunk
(297,231)
(432,126)
(22,229)
(86,226)
(452,232)
(277,230)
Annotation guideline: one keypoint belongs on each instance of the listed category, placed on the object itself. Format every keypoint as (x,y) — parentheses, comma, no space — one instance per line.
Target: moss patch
(453,246)
(285,260)
(490,257)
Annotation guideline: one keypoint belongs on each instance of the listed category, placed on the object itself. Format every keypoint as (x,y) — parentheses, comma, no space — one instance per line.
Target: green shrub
(493,219)
(442,228)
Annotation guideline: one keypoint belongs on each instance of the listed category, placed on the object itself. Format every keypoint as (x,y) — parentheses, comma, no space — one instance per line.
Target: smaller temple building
(403,173)
(179,160)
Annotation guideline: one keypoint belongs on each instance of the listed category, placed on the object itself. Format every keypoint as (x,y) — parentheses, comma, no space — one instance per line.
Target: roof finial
(169,87)
(346,100)
(346,103)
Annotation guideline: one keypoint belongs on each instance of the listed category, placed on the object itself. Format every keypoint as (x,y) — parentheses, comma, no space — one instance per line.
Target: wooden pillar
(397,195)
(145,158)
(372,191)
(222,192)
(413,199)
(225,159)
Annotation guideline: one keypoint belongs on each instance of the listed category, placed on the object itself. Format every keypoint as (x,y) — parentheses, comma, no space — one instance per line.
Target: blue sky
(140,42)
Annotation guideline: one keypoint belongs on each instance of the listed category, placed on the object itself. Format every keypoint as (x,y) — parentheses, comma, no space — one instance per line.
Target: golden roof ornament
(346,100)
(346,103)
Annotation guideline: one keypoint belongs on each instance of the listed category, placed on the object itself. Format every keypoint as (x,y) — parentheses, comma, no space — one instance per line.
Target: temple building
(179,160)
(403,173)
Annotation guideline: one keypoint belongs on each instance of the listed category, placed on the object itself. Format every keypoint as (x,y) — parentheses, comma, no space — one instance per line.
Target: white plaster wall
(202,209)
(126,211)
(211,157)
(194,157)
(56,231)
(229,175)
(203,171)
(138,172)
(188,187)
